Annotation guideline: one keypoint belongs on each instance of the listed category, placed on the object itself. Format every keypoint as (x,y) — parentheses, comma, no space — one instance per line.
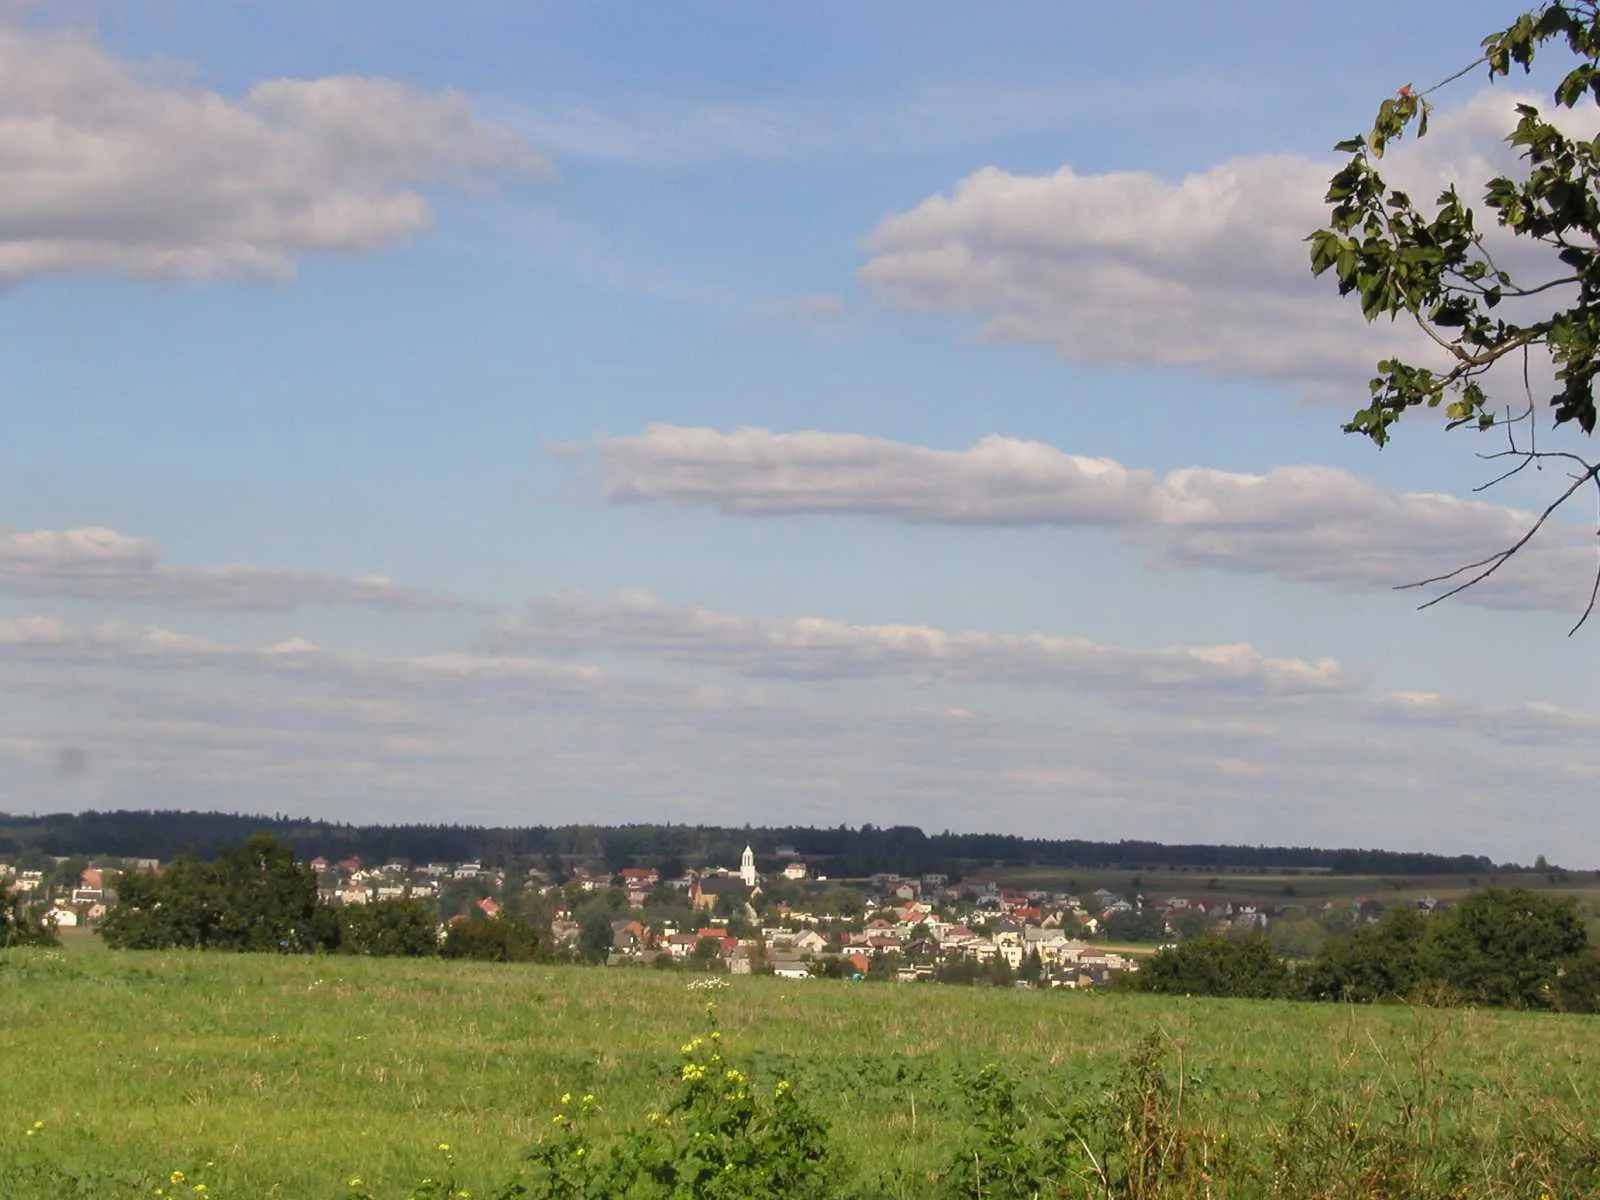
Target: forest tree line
(844,851)
(1497,948)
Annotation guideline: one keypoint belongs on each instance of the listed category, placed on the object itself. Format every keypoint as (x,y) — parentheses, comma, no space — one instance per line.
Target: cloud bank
(816,648)
(96,563)
(1296,523)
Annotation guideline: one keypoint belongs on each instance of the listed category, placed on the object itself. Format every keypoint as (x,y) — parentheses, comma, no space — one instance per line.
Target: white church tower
(747,867)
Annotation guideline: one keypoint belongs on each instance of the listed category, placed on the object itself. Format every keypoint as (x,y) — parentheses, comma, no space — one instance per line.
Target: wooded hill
(842,852)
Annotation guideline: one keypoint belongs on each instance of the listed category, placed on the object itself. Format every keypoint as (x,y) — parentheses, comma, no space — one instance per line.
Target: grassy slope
(294,1074)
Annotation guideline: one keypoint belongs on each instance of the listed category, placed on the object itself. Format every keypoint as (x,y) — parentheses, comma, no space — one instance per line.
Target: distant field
(1289,887)
(294,1074)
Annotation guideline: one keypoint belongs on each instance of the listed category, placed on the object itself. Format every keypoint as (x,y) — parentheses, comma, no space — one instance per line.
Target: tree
(842,902)
(707,955)
(389,928)
(1508,948)
(251,897)
(1438,268)
(1032,969)
(1386,961)
(997,972)
(21,928)
(491,939)
(1139,925)
(1297,937)
(1210,965)
(1578,986)
(1192,924)
(594,931)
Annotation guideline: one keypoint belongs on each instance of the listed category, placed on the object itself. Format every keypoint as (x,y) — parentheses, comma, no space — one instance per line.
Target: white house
(62,918)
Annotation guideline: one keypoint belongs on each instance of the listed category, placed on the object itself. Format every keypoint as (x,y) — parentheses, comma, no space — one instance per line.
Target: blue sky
(754,414)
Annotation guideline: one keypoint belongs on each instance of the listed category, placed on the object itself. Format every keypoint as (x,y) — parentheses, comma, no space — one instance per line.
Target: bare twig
(1487,566)
(1471,66)
(1594,589)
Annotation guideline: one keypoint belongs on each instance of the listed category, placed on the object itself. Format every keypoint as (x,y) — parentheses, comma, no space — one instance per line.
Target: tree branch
(1485,567)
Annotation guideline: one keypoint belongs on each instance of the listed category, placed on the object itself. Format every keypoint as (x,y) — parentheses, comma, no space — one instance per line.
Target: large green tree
(1505,306)
(250,897)
(1213,965)
(400,928)
(18,927)
(1509,948)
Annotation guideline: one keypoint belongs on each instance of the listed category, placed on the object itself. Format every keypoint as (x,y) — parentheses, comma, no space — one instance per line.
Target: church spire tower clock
(747,867)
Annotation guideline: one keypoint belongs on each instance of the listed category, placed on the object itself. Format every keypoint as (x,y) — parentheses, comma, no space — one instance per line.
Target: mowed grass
(294,1074)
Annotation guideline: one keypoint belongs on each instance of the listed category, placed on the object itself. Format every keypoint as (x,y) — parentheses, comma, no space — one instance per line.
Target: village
(785,921)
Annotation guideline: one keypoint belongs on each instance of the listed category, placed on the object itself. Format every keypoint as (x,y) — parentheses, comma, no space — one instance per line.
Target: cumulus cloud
(817,648)
(95,563)
(1208,272)
(1302,523)
(107,167)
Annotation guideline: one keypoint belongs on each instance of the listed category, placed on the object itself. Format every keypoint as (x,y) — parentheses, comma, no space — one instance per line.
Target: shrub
(21,928)
(1210,965)
(491,939)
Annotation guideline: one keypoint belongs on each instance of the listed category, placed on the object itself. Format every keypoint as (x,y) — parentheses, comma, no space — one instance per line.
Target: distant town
(781,917)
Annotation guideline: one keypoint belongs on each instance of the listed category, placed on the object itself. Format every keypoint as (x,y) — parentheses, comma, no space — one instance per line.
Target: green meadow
(293,1075)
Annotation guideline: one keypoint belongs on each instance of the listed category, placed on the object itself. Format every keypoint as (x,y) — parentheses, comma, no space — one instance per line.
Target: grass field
(293,1074)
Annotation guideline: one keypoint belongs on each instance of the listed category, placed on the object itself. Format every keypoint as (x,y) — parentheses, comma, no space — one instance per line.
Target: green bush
(1212,965)
(491,939)
(21,928)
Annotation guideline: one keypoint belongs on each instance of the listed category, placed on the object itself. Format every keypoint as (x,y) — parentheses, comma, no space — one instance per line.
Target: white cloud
(107,167)
(755,472)
(817,648)
(1302,523)
(95,563)
(173,720)
(1209,272)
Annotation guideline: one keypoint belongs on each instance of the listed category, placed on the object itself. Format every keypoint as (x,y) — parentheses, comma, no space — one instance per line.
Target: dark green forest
(844,851)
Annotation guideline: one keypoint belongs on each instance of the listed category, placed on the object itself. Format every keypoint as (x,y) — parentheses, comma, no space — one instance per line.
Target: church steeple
(747,867)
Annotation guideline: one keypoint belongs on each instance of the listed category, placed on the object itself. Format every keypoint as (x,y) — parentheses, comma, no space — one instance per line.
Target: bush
(491,939)
(393,928)
(19,927)
(251,897)
(721,1137)
(1210,965)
